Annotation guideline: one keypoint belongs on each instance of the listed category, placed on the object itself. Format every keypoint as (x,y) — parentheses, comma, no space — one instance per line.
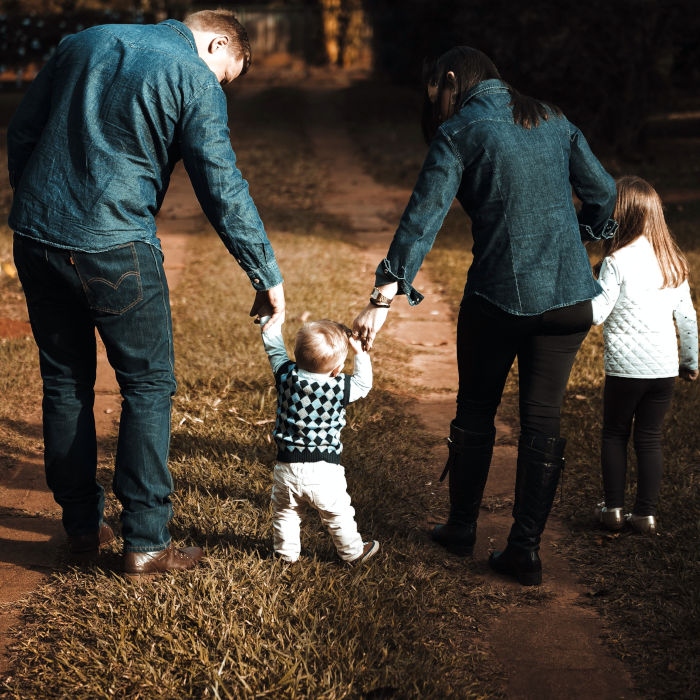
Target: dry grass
(244,624)
(646,589)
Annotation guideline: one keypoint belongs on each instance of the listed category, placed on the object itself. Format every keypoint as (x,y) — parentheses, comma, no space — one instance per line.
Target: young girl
(645,287)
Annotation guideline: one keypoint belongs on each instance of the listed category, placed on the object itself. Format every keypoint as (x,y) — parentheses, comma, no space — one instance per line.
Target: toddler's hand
(355,343)
(267,324)
(690,375)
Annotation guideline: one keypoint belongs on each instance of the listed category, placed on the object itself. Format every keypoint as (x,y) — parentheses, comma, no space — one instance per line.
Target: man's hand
(367,324)
(690,375)
(269,302)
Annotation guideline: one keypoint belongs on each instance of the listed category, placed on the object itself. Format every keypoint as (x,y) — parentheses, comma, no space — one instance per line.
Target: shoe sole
(459,550)
(139,574)
(362,559)
(524,578)
(529,579)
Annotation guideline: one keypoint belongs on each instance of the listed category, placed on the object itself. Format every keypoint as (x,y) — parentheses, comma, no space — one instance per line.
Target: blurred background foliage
(610,64)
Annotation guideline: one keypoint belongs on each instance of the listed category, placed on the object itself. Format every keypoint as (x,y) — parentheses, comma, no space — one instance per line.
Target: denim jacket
(93,144)
(515,185)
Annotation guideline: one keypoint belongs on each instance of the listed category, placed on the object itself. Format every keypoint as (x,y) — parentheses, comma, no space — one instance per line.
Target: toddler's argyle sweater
(310,416)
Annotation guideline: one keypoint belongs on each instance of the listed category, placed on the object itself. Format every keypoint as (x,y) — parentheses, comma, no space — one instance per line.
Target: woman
(511,161)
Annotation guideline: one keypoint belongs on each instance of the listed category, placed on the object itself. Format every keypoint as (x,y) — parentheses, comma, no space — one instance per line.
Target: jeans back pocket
(111,279)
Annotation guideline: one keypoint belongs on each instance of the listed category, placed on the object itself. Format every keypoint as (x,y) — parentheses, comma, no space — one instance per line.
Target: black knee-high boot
(468,466)
(540,463)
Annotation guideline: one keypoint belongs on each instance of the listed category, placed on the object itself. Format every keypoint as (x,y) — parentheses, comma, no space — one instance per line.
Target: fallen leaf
(9,269)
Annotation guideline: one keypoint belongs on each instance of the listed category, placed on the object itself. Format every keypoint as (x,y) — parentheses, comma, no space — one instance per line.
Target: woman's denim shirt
(515,185)
(93,144)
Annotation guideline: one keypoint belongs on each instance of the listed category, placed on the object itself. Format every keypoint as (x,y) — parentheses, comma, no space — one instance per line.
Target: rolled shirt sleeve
(221,189)
(433,194)
(595,188)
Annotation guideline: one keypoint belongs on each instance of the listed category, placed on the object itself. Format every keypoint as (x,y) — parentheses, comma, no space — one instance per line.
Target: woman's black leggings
(645,401)
(488,341)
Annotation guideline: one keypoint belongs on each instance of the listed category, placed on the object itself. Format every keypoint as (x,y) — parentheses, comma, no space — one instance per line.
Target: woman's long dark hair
(471,67)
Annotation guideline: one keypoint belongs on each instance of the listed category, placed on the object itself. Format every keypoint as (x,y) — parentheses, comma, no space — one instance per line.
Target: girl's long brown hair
(638,211)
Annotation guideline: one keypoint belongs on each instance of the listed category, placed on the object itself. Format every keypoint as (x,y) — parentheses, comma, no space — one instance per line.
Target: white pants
(321,485)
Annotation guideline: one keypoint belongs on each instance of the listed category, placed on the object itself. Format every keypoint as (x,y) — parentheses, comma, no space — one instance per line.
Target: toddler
(645,287)
(312,394)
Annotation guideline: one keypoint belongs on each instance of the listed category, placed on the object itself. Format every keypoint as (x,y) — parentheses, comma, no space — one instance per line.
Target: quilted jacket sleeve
(610,280)
(687,323)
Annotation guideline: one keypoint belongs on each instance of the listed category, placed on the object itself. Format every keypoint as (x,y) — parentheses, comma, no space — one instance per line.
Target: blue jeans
(123,293)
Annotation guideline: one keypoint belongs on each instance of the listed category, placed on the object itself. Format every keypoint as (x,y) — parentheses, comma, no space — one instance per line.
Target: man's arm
(28,122)
(220,188)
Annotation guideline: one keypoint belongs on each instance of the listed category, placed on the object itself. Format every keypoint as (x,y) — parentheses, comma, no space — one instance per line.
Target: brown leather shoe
(92,543)
(158,562)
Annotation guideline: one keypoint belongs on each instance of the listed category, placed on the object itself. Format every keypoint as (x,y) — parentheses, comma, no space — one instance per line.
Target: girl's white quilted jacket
(639,332)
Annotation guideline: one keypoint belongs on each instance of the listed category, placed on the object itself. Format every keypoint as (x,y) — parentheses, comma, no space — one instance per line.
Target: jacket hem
(513,312)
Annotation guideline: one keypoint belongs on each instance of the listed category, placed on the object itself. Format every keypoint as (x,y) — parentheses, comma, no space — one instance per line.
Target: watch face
(379,297)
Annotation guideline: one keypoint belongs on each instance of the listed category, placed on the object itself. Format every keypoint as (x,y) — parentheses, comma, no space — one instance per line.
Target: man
(90,153)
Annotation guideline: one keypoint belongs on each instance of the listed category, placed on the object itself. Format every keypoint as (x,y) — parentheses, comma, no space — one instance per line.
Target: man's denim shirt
(515,185)
(94,142)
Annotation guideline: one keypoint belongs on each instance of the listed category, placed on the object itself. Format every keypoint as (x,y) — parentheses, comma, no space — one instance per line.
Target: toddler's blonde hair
(321,346)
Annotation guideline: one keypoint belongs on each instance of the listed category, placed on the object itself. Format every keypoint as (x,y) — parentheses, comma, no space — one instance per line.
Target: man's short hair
(321,346)
(224,22)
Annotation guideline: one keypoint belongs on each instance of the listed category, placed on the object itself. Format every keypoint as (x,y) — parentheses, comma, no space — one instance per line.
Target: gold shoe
(642,523)
(611,518)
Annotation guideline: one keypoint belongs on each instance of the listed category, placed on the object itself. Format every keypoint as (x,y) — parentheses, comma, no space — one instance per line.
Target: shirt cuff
(265,277)
(384,275)
(609,230)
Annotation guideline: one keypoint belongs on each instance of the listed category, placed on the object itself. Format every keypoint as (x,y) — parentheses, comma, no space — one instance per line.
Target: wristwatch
(378,299)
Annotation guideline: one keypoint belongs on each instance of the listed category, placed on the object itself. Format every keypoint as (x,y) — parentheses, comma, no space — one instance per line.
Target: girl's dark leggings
(488,341)
(643,402)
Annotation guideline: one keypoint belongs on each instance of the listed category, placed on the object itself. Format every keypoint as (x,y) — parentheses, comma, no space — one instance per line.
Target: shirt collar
(312,376)
(485,86)
(183,30)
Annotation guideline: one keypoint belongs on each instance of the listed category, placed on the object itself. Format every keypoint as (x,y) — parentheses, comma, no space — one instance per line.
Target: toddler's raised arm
(361,379)
(274,344)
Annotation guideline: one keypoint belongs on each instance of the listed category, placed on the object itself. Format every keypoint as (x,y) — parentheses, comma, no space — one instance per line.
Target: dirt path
(552,650)
(32,541)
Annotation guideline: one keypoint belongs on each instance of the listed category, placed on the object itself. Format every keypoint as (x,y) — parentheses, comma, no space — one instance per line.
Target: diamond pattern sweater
(311,407)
